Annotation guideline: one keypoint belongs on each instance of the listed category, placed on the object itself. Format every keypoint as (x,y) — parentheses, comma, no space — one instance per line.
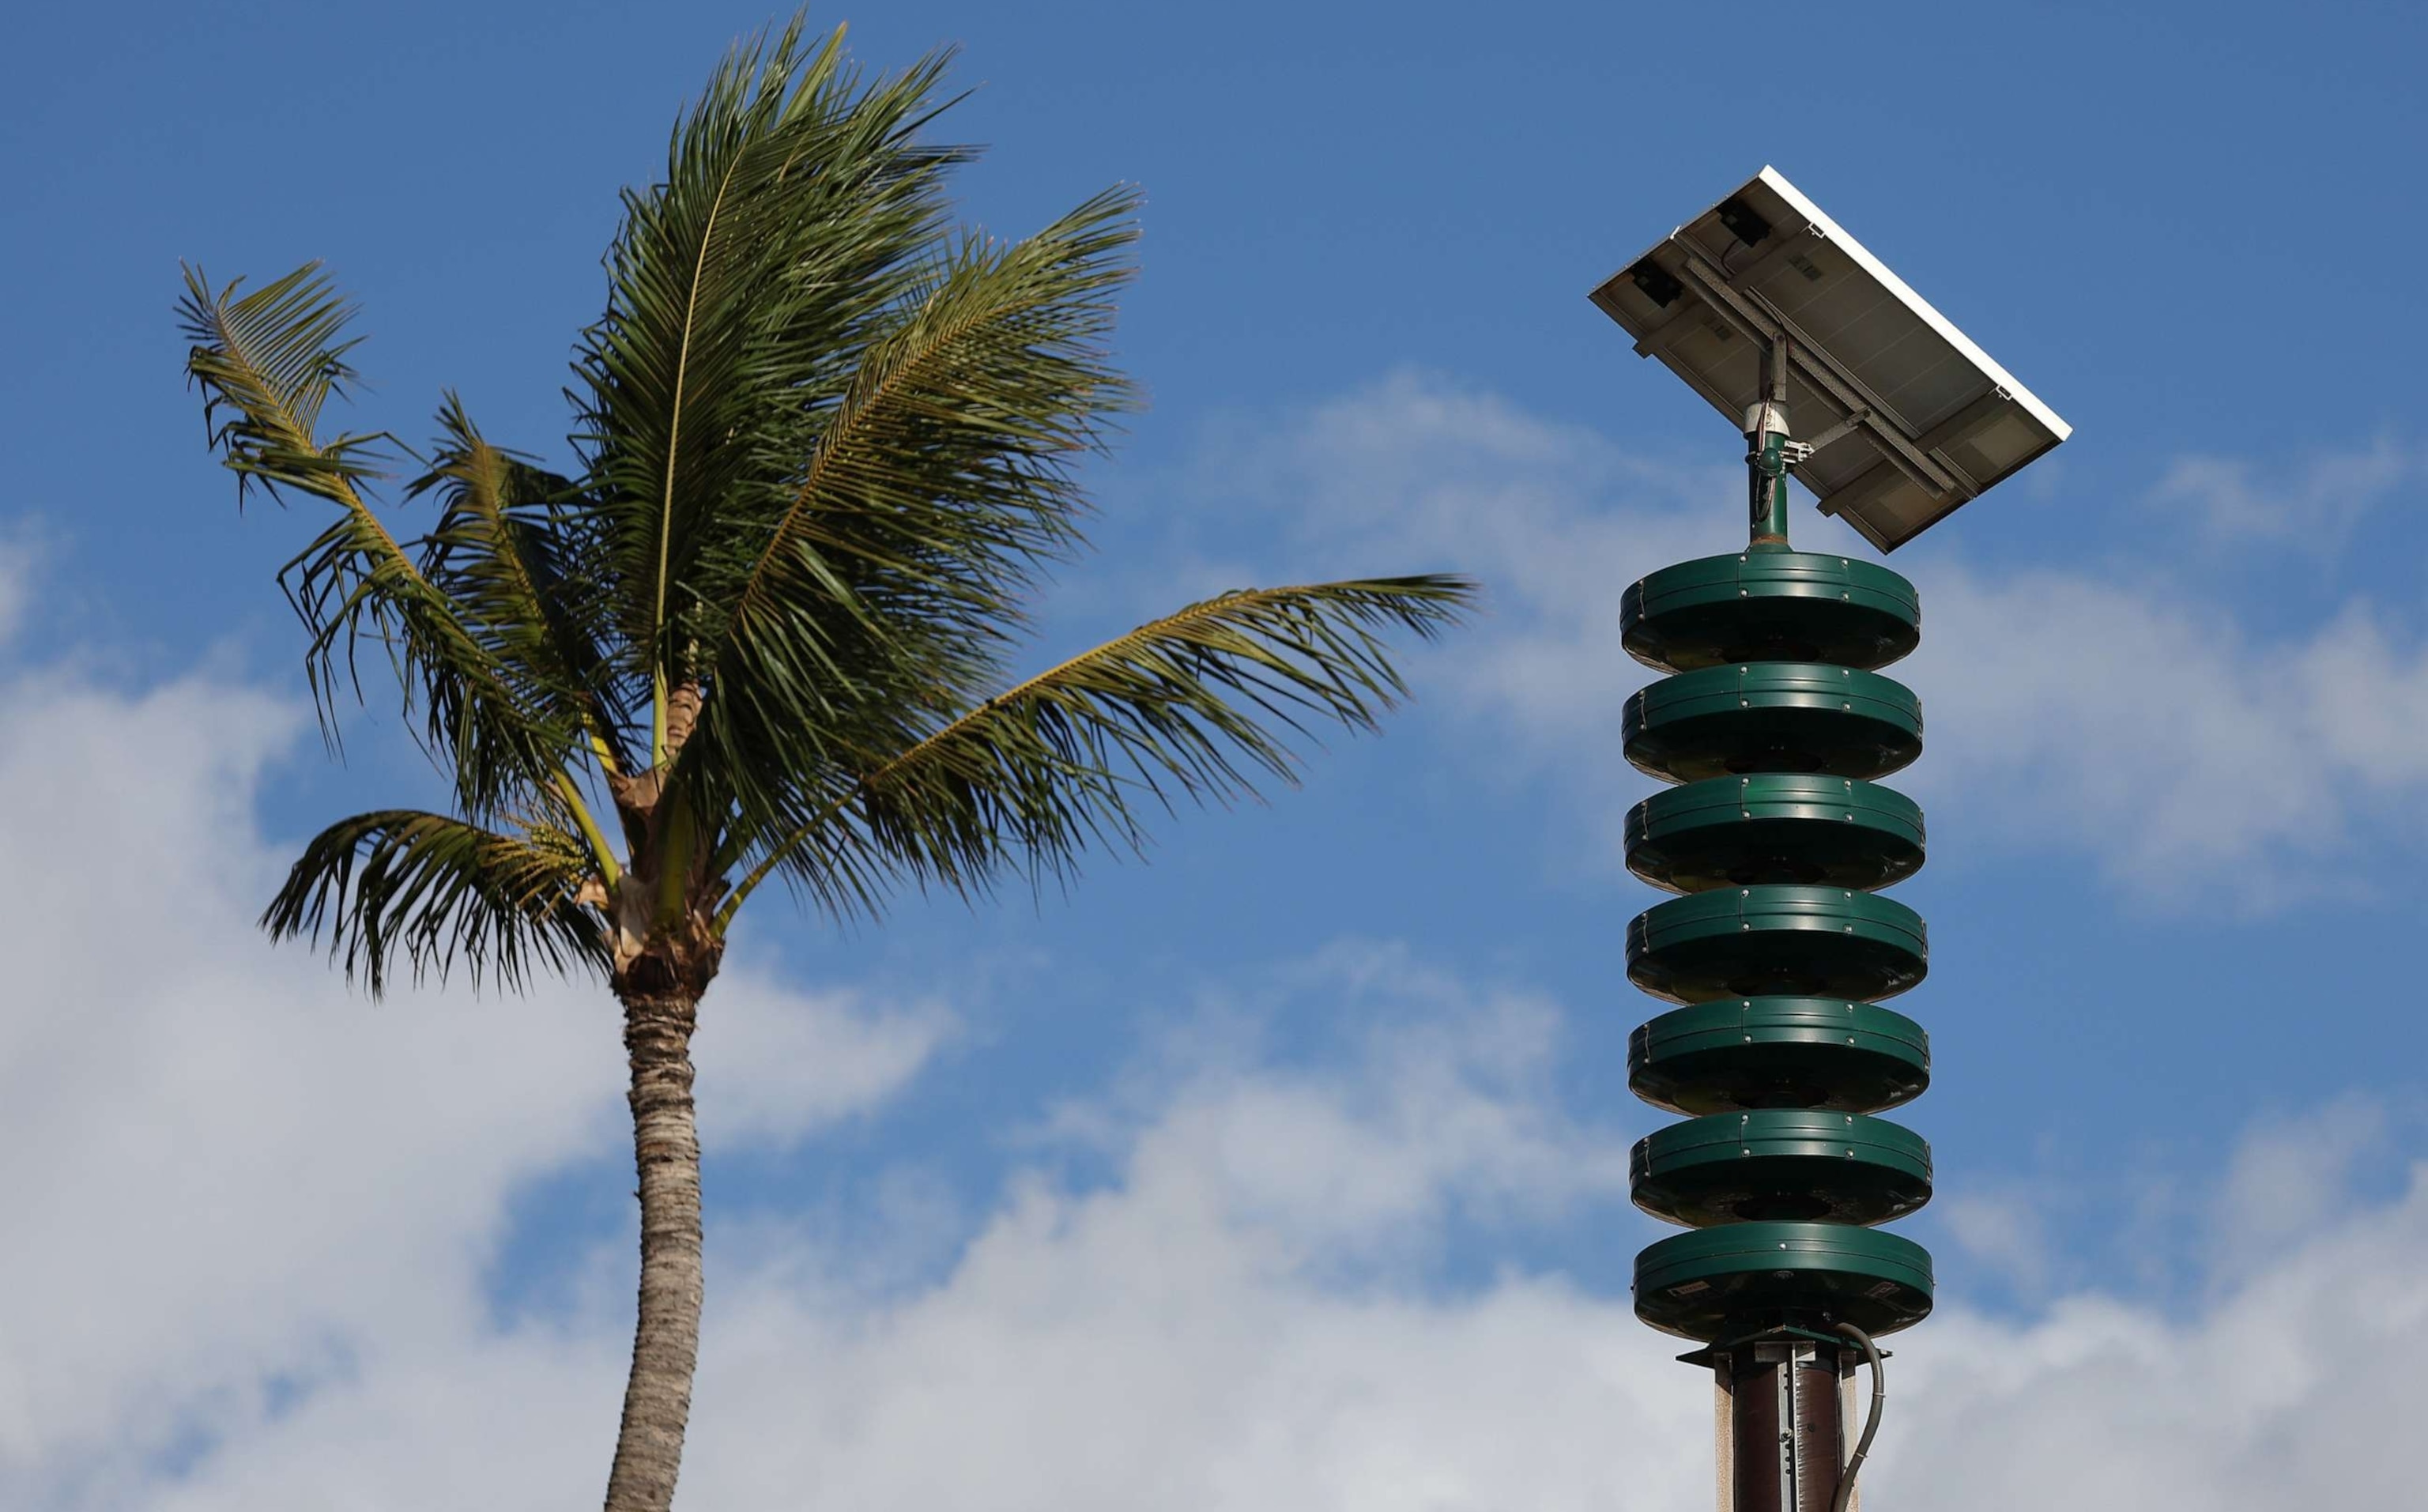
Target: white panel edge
(1930,316)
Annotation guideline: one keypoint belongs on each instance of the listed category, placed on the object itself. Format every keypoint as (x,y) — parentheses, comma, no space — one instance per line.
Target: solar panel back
(1923,420)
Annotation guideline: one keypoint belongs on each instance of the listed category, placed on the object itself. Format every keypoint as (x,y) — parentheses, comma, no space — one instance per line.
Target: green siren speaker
(1776,724)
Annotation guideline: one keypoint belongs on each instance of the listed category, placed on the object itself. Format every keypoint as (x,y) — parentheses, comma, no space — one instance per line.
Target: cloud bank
(2069,711)
(252,1217)
(2314,506)
(233,1187)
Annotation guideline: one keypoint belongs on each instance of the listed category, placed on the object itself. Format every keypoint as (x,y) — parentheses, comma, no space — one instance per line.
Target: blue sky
(1224,1179)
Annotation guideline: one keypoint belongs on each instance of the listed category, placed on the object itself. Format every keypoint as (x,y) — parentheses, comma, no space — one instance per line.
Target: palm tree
(765,624)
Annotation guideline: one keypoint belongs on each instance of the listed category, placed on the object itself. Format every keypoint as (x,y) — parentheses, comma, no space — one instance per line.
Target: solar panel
(1907,417)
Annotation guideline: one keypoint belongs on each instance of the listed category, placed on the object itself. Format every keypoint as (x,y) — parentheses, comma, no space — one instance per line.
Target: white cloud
(1163,1343)
(1453,1111)
(2003,1226)
(777,1063)
(1184,1337)
(2191,757)
(15,567)
(2289,1178)
(2286,1388)
(1414,472)
(2315,505)
(2147,728)
(227,1178)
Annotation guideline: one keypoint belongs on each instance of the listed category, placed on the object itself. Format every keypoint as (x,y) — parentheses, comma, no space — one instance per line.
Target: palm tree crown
(765,624)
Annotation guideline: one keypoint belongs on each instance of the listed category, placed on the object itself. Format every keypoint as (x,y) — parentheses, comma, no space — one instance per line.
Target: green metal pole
(1766,438)
(1766,480)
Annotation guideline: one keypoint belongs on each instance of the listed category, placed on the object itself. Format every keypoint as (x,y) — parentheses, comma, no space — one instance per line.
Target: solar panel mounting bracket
(1753,318)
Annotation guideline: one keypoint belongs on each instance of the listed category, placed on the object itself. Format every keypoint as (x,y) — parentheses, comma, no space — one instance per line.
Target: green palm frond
(797,208)
(267,361)
(507,550)
(438,891)
(1200,704)
(938,479)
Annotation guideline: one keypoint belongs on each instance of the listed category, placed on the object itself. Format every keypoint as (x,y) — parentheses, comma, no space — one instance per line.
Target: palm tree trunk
(665,1344)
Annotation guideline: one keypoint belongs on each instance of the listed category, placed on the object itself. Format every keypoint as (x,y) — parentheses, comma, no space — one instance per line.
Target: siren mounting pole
(1783,1353)
(1775,723)
(1769,452)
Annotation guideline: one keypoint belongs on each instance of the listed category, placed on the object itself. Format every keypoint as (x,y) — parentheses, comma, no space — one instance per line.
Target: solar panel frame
(1912,419)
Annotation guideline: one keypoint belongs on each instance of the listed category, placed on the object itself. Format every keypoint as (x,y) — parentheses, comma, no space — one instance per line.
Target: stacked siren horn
(1775,724)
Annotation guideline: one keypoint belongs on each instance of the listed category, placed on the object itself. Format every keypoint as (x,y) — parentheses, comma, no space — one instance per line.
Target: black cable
(1871,1423)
